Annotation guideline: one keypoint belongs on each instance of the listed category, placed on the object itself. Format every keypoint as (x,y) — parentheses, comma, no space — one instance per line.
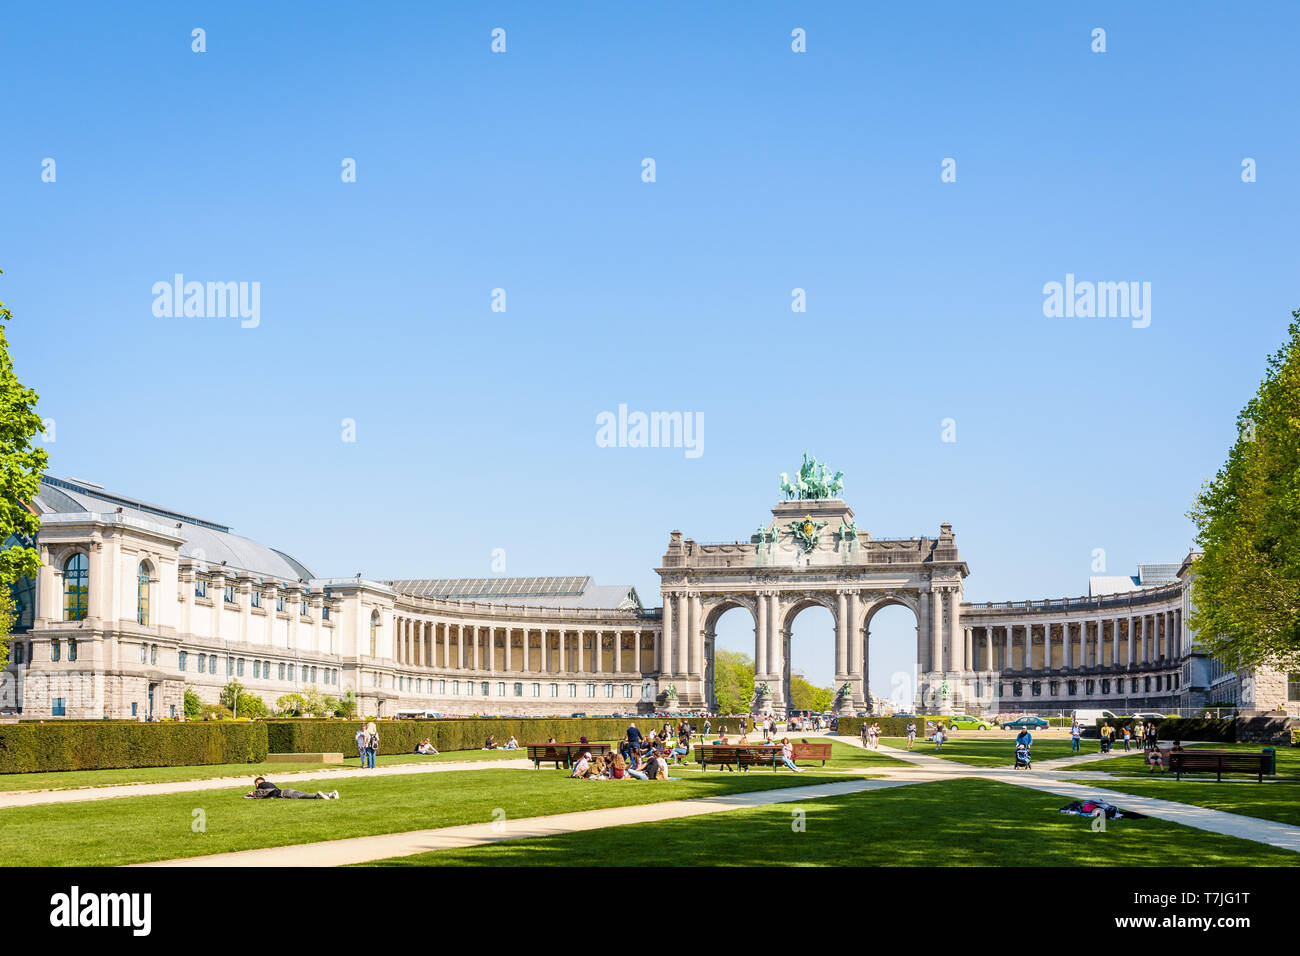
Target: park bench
(1221,762)
(737,756)
(565,753)
(820,752)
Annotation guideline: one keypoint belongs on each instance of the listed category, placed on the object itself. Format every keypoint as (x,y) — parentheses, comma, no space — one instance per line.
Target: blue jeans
(790,763)
(368,759)
(1074,744)
(637,774)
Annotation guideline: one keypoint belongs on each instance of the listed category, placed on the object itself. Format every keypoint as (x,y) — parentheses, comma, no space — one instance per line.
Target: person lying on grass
(264,789)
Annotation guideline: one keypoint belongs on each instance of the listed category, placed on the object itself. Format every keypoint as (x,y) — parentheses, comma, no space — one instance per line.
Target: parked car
(967,722)
(1148,716)
(1027,721)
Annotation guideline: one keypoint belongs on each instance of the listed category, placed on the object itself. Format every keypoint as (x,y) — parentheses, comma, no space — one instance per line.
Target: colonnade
(466,646)
(1132,640)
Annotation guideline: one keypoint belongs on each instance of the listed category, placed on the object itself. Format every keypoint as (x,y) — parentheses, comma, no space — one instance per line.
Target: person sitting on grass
(491,742)
(617,767)
(582,768)
(511,744)
(425,748)
(264,789)
(681,751)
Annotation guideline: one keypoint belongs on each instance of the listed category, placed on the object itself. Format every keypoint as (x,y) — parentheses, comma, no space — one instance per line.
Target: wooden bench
(565,753)
(736,755)
(820,752)
(1220,761)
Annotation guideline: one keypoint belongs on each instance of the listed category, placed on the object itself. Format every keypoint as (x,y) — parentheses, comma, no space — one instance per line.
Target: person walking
(361,745)
(1128,737)
(1076,732)
(866,734)
(372,745)
(911,733)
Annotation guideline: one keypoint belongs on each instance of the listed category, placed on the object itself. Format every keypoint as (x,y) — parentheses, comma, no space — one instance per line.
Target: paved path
(365,849)
(31,798)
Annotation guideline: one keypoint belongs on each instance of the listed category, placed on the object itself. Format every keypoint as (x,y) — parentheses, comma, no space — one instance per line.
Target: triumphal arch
(811,552)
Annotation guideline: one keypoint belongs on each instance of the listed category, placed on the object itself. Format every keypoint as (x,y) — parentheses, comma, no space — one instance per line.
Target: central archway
(820,619)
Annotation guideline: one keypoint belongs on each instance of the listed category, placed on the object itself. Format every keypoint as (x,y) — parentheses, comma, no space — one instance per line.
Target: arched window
(142,594)
(374,633)
(76,588)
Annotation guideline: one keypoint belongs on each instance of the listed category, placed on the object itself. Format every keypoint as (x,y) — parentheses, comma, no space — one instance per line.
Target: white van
(417,715)
(1089,718)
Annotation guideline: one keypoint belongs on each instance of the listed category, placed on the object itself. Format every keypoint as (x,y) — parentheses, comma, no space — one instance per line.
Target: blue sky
(774,170)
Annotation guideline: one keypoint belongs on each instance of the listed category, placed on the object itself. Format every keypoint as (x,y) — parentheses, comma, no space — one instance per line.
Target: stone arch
(711,611)
(861,631)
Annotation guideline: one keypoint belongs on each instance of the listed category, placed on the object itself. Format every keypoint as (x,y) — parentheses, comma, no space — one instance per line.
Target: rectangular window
(609,690)
(230,594)
(55,651)
(181,660)
(144,653)
(212,663)
(281,670)
(536,690)
(135,709)
(455,687)
(573,690)
(230,667)
(313,676)
(555,690)
(290,672)
(501,688)
(256,598)
(1293,686)
(486,688)
(72,648)
(59,707)
(200,588)
(279,603)
(153,655)
(591,690)
(18,653)
(302,609)
(519,689)
(239,667)
(325,613)
(442,687)
(627,690)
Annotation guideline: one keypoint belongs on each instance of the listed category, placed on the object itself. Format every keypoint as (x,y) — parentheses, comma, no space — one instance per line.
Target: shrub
(193,705)
(291,705)
(101,745)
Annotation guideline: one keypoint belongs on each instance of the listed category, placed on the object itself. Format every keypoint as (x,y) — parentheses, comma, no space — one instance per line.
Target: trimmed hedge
(103,745)
(889,726)
(306,735)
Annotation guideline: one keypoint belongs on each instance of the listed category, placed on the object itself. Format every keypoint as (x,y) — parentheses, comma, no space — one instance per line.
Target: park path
(366,849)
(1283,835)
(31,798)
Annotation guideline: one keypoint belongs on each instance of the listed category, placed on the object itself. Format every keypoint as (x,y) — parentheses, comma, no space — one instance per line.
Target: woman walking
(372,746)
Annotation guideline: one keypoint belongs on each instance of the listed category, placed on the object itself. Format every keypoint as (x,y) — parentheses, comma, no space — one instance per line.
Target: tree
(314,702)
(243,704)
(1246,586)
(805,696)
(21,466)
(348,704)
(193,705)
(733,681)
(292,705)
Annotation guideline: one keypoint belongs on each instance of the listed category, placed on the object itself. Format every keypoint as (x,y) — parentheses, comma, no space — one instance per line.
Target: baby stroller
(1022,757)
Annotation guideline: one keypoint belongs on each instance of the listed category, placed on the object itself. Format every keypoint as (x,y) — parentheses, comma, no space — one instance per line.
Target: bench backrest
(812,751)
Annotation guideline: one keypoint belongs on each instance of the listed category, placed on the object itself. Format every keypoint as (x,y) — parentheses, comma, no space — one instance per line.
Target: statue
(806,531)
(814,480)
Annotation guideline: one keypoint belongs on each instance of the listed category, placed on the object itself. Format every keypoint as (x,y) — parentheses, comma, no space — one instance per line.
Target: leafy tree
(21,465)
(230,694)
(331,707)
(348,704)
(733,681)
(291,704)
(805,696)
(314,702)
(1246,586)
(243,704)
(193,705)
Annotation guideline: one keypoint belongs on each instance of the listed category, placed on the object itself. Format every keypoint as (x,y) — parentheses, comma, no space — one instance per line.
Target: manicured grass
(985,752)
(70,779)
(947,823)
(1268,801)
(1288,762)
(139,829)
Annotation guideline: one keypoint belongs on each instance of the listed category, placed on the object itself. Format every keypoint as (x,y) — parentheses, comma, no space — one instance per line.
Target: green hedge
(889,726)
(100,745)
(1215,730)
(467,733)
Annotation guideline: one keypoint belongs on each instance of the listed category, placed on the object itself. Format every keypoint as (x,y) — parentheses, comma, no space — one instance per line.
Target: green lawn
(1288,762)
(71,779)
(948,823)
(138,829)
(1268,801)
(994,752)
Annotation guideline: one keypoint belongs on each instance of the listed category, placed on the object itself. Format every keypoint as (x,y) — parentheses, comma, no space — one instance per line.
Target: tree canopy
(21,466)
(733,681)
(806,696)
(1246,585)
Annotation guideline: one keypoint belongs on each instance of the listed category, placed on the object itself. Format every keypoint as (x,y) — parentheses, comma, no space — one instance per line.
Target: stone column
(658,652)
(669,659)
(1146,640)
(857,657)
(955,629)
(760,637)
(1132,641)
(988,649)
(618,652)
(936,630)
(841,637)
(1067,650)
(968,654)
(695,648)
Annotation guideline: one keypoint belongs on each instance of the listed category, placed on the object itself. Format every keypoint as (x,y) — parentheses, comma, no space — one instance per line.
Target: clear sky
(774,170)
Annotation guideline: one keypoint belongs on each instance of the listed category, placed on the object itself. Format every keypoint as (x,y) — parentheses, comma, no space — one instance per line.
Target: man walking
(911,733)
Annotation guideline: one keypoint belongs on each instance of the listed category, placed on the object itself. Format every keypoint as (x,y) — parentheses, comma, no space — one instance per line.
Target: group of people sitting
(491,743)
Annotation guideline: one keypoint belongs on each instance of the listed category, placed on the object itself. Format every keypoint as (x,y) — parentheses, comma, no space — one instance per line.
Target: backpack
(372,741)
